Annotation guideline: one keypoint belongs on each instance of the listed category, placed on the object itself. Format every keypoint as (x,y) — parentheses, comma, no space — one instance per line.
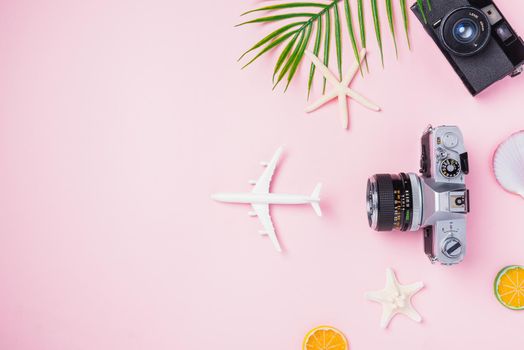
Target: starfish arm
(377,296)
(354,69)
(322,68)
(391,279)
(350,74)
(321,101)
(362,100)
(412,289)
(387,314)
(396,298)
(410,312)
(343,110)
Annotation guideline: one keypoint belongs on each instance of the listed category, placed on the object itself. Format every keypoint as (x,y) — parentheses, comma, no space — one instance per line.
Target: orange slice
(325,338)
(509,287)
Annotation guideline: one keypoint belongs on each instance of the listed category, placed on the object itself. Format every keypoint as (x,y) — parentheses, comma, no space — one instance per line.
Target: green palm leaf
(269,47)
(316,50)
(354,44)
(277,18)
(389,10)
(422,11)
(338,40)
(270,36)
(291,59)
(299,56)
(405,19)
(362,25)
(327,41)
(294,35)
(376,22)
(285,6)
(284,55)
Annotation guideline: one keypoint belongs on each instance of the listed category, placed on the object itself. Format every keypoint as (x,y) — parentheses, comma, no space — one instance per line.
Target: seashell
(508,164)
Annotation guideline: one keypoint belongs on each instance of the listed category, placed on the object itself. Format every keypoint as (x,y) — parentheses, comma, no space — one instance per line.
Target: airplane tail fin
(315,197)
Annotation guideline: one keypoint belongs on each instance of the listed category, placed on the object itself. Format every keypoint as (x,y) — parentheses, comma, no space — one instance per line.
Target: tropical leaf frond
(291,59)
(338,40)
(405,19)
(299,56)
(347,8)
(362,26)
(376,23)
(271,36)
(316,50)
(327,44)
(391,20)
(277,18)
(271,45)
(321,21)
(285,54)
(420,4)
(285,6)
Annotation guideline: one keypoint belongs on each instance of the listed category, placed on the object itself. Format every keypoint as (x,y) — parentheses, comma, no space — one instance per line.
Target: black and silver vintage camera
(476,39)
(436,201)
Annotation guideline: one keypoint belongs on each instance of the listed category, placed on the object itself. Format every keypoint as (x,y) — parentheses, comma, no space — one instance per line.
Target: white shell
(508,164)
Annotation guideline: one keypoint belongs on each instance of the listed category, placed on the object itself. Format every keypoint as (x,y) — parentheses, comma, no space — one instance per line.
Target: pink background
(118,120)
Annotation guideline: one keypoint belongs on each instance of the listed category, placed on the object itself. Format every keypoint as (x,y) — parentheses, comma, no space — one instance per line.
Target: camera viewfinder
(505,34)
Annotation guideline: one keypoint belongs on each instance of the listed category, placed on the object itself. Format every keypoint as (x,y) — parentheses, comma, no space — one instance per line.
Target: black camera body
(475,38)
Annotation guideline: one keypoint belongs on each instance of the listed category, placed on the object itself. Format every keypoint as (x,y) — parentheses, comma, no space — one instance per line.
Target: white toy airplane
(260,199)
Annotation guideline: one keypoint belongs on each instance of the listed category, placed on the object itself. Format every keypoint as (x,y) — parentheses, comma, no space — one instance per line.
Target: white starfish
(340,89)
(396,298)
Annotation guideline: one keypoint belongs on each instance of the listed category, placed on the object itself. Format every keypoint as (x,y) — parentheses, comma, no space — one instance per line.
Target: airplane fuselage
(260,199)
(268,198)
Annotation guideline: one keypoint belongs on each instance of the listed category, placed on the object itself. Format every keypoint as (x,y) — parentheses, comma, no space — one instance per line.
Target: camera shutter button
(442,154)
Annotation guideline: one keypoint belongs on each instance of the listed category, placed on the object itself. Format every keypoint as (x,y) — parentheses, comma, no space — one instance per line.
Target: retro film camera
(476,39)
(436,201)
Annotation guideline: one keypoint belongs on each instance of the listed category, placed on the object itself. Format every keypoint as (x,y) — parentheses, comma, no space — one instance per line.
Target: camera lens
(465,31)
(394,202)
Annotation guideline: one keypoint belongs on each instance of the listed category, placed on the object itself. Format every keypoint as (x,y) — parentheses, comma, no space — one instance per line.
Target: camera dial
(452,247)
(450,168)
(450,140)
(465,31)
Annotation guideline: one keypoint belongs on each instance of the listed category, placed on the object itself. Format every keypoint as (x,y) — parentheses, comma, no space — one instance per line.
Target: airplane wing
(262,211)
(262,185)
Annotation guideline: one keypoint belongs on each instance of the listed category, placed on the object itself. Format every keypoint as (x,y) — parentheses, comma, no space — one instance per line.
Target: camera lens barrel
(394,202)
(465,31)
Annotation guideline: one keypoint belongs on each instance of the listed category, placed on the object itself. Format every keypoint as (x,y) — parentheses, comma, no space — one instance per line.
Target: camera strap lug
(517,71)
